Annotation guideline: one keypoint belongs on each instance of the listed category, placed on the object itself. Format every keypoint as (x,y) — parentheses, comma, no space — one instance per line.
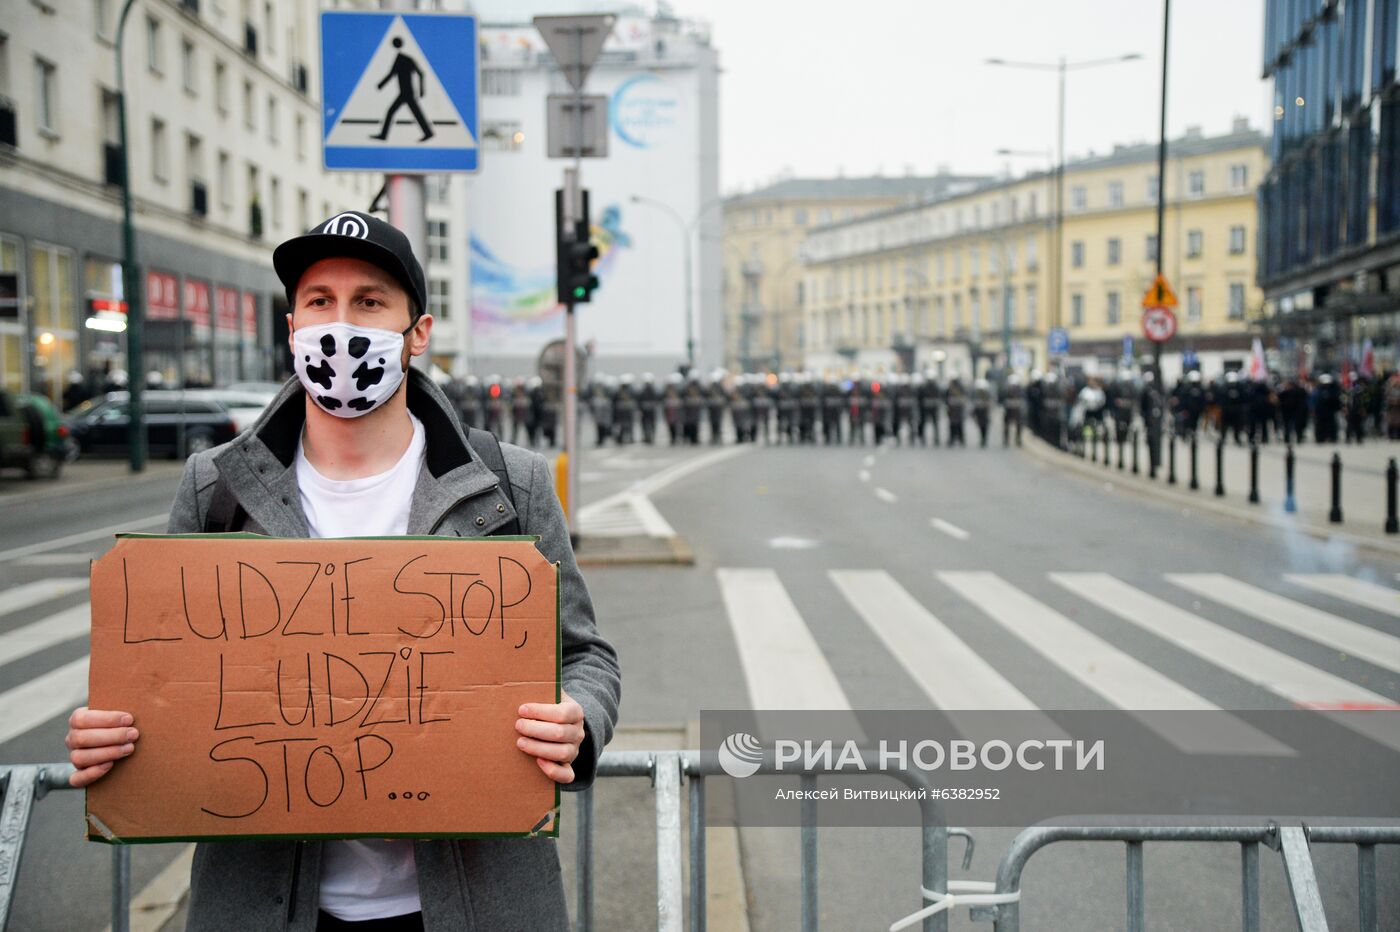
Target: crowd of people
(919,409)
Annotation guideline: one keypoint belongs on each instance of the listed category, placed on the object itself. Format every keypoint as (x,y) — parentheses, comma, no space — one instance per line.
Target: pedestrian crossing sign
(399,92)
(1159,294)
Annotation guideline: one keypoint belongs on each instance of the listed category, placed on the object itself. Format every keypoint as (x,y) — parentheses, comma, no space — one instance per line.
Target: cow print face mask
(348,370)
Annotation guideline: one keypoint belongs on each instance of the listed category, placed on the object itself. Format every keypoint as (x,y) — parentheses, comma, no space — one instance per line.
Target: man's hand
(552,732)
(97,740)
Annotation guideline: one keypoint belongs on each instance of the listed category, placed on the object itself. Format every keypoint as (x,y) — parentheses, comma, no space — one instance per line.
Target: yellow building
(950,286)
(763,272)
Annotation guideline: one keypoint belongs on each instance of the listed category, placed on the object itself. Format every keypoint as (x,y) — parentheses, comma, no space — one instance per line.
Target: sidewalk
(1363,498)
(85,475)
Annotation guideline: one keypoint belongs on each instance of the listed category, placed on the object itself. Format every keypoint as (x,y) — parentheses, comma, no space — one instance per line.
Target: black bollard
(1133,439)
(1122,437)
(1253,474)
(1171,458)
(1392,525)
(1290,504)
(1195,484)
(1094,452)
(1335,515)
(1220,467)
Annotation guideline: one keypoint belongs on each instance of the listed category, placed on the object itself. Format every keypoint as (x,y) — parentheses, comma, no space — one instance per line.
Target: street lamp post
(687,234)
(131,282)
(1061,67)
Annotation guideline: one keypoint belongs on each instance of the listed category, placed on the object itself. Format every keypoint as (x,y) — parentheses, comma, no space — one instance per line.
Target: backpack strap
(225,514)
(485,444)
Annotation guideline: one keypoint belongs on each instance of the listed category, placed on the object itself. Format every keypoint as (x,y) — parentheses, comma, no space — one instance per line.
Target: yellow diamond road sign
(1159,294)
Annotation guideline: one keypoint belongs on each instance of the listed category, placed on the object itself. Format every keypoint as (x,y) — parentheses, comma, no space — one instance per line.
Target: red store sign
(226,308)
(250,315)
(162,301)
(197,302)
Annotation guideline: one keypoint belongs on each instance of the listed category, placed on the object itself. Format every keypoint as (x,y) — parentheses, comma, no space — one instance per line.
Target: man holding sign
(361,445)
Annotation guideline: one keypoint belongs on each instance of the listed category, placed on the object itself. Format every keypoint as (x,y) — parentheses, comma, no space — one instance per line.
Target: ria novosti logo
(740,755)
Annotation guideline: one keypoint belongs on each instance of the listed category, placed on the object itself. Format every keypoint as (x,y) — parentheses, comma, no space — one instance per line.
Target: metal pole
(1392,522)
(809,854)
(407,201)
(1220,467)
(1060,200)
(571,211)
(1162,170)
(1195,483)
(1335,515)
(698,864)
(1290,504)
(667,778)
(1253,474)
(585,861)
(131,278)
(687,232)
(121,888)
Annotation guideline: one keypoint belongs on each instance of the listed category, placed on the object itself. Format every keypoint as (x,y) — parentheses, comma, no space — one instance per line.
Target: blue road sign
(1189,359)
(1127,349)
(1057,343)
(399,92)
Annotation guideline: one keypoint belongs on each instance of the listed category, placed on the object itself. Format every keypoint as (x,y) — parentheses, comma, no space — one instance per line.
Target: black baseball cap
(358,236)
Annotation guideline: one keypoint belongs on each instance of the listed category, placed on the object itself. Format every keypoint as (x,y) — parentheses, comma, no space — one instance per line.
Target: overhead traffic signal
(574,254)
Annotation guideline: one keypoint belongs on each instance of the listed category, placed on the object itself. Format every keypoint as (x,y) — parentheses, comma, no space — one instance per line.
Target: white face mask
(348,370)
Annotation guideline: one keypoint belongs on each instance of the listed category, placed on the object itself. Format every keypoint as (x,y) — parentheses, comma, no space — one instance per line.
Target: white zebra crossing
(1121,679)
(30,594)
(1348,588)
(1349,637)
(55,629)
(1273,670)
(32,703)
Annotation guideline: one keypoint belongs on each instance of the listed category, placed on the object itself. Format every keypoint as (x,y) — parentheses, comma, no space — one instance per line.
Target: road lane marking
(82,537)
(1349,588)
(50,695)
(55,629)
(1119,678)
(783,666)
(868,462)
(1270,669)
(951,673)
(38,592)
(864,475)
(952,530)
(885,495)
(1349,637)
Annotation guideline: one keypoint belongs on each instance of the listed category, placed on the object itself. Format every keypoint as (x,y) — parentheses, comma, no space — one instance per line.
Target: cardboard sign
(328,688)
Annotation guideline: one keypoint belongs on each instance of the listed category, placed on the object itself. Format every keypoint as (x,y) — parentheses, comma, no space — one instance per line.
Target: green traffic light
(580,291)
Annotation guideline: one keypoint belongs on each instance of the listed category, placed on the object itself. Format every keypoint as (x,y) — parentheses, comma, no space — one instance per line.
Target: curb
(1044,452)
(636,550)
(60,488)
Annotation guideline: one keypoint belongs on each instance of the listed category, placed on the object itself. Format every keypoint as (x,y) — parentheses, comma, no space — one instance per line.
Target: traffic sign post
(1158,324)
(399,92)
(1057,342)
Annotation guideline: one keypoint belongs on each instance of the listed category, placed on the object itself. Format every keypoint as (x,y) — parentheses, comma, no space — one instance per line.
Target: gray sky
(817,87)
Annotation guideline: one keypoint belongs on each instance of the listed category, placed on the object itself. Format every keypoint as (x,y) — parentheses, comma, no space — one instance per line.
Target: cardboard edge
(423,836)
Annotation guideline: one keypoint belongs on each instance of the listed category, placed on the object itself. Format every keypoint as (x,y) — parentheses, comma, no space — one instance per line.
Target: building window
(1030,307)
(102,19)
(501,135)
(1076,310)
(1239,177)
(1079,197)
(1196,183)
(957,313)
(1236,240)
(225,181)
(1115,250)
(1236,301)
(974,262)
(272,120)
(1031,206)
(1115,194)
(1115,307)
(299,128)
(1031,262)
(500,82)
(46,96)
(274,202)
(799,216)
(437,241)
(1076,254)
(269,26)
(1193,303)
(303,209)
(160,151)
(155,60)
(1150,247)
(188,74)
(436,187)
(221,86)
(250,117)
(1193,244)
(1153,191)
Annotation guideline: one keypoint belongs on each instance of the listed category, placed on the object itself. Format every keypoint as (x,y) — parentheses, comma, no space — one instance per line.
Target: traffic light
(574,254)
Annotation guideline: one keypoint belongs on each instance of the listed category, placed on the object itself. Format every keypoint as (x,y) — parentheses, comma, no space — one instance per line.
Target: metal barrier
(1290,841)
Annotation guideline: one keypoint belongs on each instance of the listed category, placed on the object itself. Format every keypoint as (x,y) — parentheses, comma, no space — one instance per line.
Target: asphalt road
(842,541)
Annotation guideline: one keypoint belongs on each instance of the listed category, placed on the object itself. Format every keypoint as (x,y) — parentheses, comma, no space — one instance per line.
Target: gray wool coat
(467,885)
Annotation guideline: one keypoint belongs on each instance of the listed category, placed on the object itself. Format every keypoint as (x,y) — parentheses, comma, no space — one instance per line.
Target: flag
(1368,359)
(1258,371)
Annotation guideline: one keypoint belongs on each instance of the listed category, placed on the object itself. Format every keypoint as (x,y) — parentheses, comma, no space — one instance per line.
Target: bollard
(1134,440)
(1171,458)
(1290,504)
(1195,484)
(1094,453)
(1220,467)
(1392,524)
(1253,474)
(1122,437)
(1335,515)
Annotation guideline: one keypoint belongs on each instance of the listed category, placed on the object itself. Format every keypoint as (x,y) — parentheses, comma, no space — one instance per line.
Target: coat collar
(260,467)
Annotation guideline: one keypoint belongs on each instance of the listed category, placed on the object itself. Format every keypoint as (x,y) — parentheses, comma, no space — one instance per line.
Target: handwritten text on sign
(323,687)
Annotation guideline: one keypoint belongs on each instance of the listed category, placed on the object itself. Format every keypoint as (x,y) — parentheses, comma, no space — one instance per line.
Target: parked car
(177,423)
(33,436)
(244,405)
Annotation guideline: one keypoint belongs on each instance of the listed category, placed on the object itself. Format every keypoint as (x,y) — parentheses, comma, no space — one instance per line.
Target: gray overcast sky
(819,87)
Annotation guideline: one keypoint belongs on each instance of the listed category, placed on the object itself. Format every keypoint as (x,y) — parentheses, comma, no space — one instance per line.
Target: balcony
(199,199)
(9,128)
(112,164)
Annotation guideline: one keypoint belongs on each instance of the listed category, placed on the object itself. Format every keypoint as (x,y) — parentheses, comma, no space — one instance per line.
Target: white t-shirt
(365,878)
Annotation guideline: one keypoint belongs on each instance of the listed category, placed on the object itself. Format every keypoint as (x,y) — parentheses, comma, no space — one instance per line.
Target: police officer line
(785,667)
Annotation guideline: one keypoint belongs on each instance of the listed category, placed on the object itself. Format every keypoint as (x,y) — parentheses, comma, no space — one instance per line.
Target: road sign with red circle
(1158,324)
